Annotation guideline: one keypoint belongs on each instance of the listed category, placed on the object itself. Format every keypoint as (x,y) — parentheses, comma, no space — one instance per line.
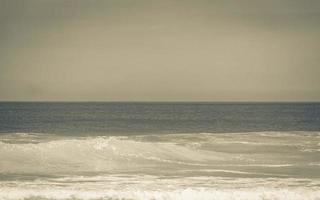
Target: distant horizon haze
(144,50)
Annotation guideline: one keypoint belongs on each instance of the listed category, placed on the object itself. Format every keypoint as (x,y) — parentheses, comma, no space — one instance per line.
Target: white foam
(95,154)
(40,153)
(180,194)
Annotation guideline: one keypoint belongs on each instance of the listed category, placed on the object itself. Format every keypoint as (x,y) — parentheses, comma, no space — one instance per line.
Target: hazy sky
(140,50)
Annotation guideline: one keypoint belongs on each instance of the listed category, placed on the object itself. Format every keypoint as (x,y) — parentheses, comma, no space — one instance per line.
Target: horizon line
(151,101)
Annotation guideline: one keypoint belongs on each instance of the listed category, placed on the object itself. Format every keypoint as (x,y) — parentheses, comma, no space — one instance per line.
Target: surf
(251,165)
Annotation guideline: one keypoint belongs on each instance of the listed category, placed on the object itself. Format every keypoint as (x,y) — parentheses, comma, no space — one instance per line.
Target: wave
(35,166)
(146,187)
(181,194)
(51,154)
(95,154)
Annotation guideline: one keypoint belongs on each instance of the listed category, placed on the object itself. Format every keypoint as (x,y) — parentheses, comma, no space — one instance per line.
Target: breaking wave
(183,194)
(268,165)
(95,154)
(50,154)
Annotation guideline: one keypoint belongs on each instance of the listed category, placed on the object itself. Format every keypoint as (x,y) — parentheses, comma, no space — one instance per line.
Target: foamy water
(253,165)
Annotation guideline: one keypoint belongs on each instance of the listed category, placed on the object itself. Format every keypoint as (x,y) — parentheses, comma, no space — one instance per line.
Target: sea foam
(160,167)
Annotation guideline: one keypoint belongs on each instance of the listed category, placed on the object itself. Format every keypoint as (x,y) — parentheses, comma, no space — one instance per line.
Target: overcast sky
(159,50)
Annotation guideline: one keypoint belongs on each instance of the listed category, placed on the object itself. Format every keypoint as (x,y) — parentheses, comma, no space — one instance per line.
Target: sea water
(159,151)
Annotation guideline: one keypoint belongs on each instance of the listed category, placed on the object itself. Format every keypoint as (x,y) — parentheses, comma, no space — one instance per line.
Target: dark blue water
(143,118)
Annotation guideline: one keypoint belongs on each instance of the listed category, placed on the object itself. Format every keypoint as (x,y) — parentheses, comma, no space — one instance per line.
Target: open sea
(159,151)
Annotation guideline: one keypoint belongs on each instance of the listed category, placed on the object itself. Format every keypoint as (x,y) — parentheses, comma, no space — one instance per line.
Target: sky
(159,50)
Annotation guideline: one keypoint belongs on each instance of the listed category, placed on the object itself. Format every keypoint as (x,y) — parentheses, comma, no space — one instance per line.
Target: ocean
(159,151)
